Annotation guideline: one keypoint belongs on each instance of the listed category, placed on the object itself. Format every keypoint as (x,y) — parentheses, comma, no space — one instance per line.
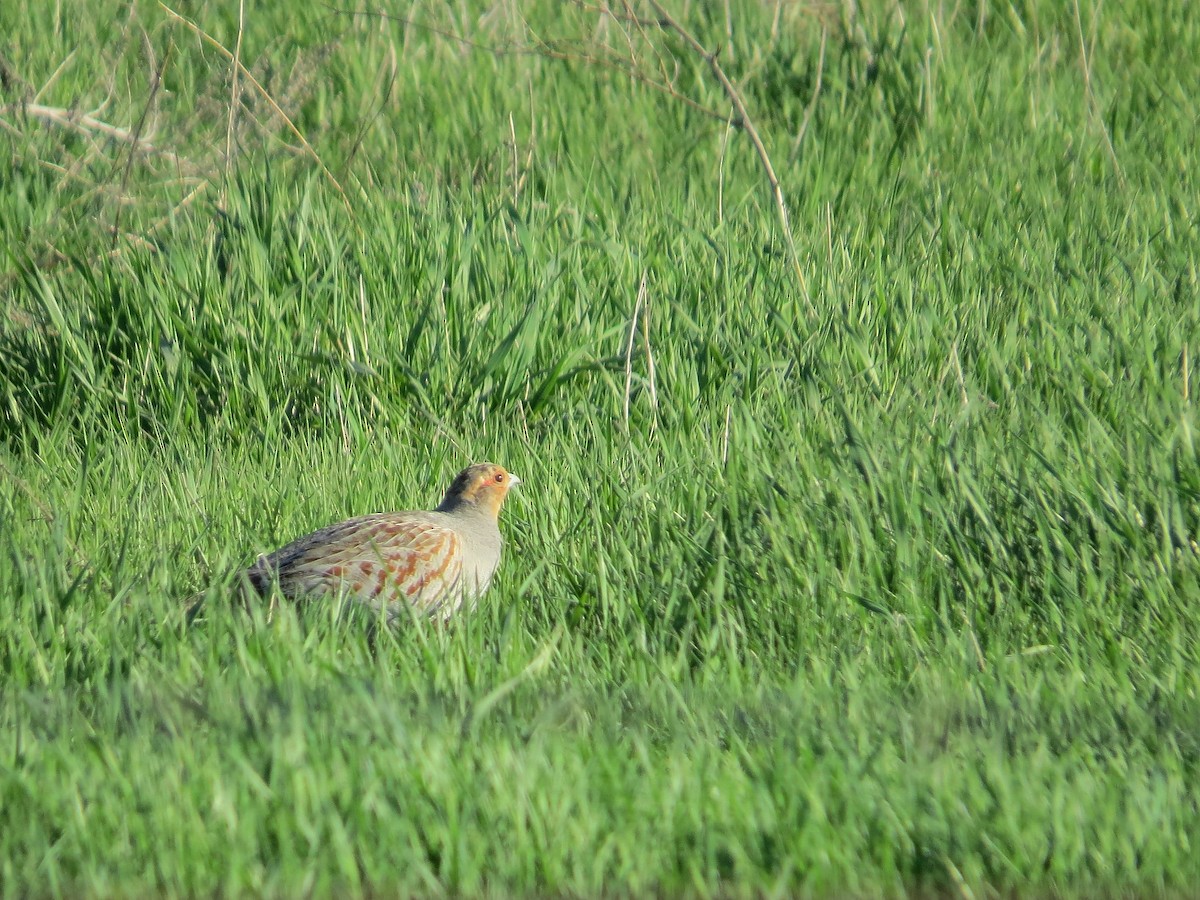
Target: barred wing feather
(378,559)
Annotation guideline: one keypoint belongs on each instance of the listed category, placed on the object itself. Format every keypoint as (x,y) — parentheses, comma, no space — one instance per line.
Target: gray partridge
(432,562)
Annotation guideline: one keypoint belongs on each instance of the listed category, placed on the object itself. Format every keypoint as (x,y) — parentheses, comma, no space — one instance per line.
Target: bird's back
(430,561)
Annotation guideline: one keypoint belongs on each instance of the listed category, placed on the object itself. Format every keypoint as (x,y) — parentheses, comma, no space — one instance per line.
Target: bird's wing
(379,559)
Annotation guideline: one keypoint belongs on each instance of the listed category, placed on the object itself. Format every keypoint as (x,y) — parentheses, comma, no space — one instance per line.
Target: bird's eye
(499,478)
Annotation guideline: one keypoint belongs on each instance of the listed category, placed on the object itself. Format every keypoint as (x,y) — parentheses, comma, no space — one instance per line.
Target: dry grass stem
(633,323)
(88,124)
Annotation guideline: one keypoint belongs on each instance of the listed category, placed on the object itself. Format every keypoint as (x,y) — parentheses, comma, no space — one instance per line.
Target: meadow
(856,553)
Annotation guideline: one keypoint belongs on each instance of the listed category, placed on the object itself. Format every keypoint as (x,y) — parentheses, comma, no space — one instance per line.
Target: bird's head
(482,486)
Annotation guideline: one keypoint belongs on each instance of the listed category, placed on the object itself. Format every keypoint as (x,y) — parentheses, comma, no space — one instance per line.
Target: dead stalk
(633,323)
(86,123)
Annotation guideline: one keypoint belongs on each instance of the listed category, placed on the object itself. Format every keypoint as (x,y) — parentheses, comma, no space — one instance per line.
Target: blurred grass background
(873,578)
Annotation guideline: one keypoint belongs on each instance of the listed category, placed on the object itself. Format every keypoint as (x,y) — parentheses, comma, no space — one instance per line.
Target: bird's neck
(468,509)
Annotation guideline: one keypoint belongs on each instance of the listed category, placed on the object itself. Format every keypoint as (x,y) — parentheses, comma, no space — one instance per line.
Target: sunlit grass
(897,597)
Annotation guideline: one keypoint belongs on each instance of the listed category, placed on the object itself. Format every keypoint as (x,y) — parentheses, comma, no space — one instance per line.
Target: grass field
(865,571)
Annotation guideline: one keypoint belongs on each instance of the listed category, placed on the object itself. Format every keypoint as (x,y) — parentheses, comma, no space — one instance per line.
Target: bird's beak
(513,480)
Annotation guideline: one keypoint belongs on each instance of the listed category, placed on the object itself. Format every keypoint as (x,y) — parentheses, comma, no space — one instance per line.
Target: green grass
(898,595)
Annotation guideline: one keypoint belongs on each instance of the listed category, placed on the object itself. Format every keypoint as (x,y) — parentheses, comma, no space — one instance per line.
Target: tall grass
(894,594)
